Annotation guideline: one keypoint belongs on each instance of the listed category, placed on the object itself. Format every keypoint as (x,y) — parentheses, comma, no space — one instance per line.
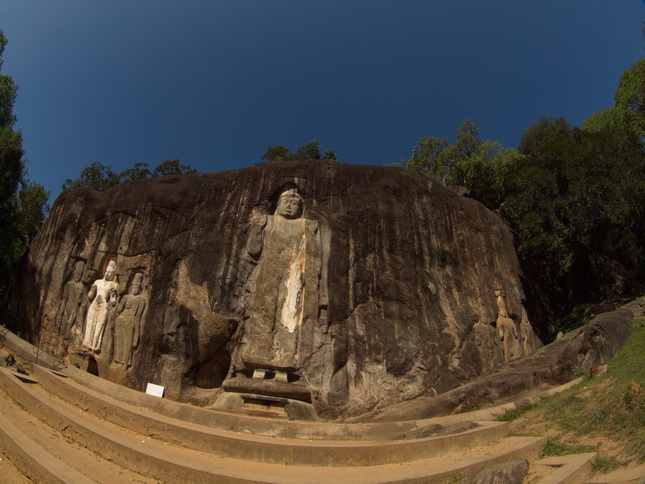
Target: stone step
(310,430)
(303,429)
(633,475)
(39,454)
(565,469)
(171,463)
(251,447)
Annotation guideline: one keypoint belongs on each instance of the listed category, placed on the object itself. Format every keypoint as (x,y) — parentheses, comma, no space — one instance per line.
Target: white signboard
(154,390)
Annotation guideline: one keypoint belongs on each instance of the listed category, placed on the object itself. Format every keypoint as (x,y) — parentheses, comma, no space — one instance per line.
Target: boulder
(391,284)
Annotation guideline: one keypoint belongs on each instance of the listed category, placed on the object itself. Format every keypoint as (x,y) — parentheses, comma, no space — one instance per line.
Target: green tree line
(23,203)
(101,177)
(575,196)
(309,151)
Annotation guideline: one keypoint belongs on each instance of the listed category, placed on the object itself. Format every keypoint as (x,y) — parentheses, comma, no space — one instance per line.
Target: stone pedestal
(267,398)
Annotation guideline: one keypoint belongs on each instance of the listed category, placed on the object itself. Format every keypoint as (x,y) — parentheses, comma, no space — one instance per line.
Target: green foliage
(555,447)
(277,153)
(23,204)
(8,92)
(310,151)
(480,165)
(31,208)
(97,176)
(101,177)
(514,414)
(138,172)
(434,157)
(601,120)
(572,195)
(612,405)
(630,97)
(574,320)
(576,192)
(172,167)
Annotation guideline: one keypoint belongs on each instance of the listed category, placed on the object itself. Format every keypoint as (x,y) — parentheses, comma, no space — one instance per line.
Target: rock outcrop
(581,350)
(401,287)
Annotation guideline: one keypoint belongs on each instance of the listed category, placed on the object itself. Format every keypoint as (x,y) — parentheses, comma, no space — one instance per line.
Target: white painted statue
(103,294)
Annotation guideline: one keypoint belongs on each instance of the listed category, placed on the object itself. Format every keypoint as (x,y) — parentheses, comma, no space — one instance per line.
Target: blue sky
(214,83)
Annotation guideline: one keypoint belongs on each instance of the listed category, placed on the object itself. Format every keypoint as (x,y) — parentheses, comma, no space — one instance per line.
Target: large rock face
(402,287)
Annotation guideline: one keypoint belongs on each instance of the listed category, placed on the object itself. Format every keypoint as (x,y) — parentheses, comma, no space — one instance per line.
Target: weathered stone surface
(512,472)
(416,286)
(557,363)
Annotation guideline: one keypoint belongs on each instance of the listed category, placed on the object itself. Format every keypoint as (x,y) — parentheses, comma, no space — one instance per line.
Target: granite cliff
(404,287)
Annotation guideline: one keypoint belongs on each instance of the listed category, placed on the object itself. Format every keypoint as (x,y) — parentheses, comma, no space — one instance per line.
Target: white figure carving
(128,322)
(104,293)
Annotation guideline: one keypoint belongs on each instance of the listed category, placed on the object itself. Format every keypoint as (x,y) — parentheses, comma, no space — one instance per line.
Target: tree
(434,157)
(629,103)
(138,172)
(23,204)
(172,167)
(97,176)
(472,163)
(277,153)
(101,177)
(578,192)
(468,138)
(309,151)
(630,97)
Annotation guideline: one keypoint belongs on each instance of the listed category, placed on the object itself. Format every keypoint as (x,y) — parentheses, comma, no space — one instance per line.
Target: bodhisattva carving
(128,322)
(287,290)
(103,294)
(507,329)
(71,301)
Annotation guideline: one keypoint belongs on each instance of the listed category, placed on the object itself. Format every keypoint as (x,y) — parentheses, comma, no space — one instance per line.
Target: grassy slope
(604,414)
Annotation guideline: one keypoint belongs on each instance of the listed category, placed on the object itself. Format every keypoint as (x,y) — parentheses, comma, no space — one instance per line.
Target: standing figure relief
(71,301)
(287,292)
(130,313)
(103,294)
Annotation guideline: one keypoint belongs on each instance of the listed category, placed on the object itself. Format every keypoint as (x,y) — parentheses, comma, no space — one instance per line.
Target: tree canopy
(23,204)
(309,151)
(572,195)
(101,177)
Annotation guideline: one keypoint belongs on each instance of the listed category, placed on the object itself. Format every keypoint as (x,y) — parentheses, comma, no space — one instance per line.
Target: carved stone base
(265,406)
(273,388)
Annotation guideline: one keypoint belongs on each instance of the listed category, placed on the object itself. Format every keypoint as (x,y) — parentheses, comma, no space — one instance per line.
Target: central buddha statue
(285,293)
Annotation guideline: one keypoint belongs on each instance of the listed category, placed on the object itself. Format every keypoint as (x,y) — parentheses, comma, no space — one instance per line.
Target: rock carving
(71,300)
(287,291)
(411,271)
(507,329)
(128,322)
(103,294)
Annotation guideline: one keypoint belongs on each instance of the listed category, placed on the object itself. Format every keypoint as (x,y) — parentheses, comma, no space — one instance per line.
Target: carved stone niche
(287,287)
